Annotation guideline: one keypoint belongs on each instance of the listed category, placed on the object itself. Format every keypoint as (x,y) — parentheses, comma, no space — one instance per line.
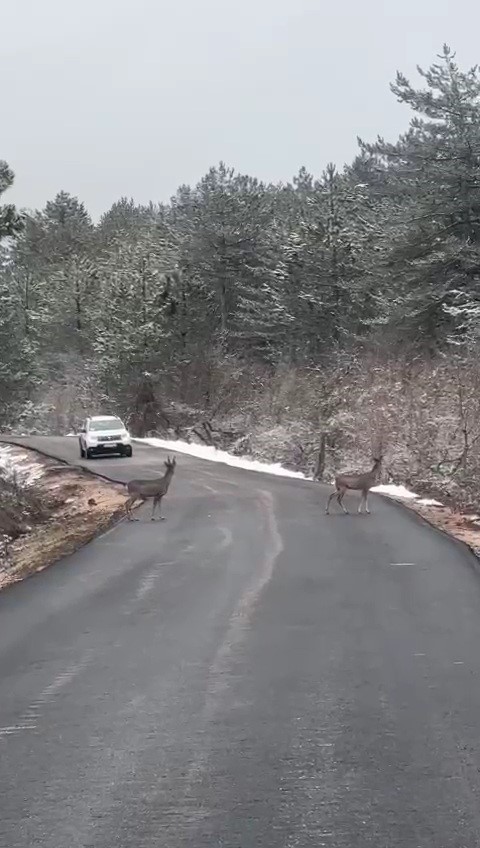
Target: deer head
(170,464)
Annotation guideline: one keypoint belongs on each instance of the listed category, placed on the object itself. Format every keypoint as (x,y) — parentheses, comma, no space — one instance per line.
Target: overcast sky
(104,98)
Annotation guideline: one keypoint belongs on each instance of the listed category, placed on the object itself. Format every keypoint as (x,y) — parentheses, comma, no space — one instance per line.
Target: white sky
(104,98)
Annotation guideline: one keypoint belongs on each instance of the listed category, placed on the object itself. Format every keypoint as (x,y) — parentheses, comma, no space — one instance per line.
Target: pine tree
(18,365)
(134,262)
(17,371)
(323,267)
(434,173)
(11,222)
(222,225)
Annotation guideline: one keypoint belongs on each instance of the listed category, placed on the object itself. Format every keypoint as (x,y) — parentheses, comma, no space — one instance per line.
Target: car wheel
(89,453)
(128,451)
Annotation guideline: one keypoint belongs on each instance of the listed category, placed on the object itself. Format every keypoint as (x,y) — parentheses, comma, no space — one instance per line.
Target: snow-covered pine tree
(431,241)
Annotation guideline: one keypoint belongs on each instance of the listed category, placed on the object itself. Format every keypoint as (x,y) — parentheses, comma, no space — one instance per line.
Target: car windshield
(106,424)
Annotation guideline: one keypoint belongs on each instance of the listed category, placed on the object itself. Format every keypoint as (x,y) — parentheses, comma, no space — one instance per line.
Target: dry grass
(460,526)
(77,507)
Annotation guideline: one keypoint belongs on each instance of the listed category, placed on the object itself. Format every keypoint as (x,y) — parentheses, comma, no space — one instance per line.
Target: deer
(359,482)
(141,490)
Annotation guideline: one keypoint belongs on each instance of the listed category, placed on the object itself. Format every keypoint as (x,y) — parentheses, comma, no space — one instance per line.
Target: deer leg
(157,500)
(162,517)
(340,496)
(329,501)
(128,507)
(362,501)
(366,503)
(134,500)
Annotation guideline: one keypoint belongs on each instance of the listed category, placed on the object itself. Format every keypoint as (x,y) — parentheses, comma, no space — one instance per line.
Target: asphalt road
(247,673)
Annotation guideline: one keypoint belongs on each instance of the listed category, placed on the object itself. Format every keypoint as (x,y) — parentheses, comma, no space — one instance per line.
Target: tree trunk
(320,461)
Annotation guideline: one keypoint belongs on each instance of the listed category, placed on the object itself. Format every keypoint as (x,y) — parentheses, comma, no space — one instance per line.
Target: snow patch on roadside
(428,502)
(393,491)
(214,455)
(19,465)
(402,493)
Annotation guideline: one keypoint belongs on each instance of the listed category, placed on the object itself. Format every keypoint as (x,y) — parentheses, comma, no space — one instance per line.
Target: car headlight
(125,437)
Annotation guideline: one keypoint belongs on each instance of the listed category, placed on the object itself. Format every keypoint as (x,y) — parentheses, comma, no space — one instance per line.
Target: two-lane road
(247,673)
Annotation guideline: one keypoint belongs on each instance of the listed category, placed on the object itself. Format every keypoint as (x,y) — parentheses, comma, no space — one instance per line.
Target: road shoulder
(49,510)
(461,527)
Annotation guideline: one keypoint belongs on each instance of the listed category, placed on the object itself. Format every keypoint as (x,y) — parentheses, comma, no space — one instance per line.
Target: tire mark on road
(218,671)
(28,719)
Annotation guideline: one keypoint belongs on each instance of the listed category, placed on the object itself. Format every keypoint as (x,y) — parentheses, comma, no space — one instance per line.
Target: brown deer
(361,482)
(141,490)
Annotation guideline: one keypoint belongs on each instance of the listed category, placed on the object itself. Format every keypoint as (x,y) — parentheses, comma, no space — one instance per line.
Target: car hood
(100,433)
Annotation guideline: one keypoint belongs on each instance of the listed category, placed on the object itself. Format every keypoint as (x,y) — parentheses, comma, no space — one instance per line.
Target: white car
(104,434)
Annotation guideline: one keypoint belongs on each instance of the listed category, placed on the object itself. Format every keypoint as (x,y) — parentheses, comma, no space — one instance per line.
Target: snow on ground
(428,502)
(19,465)
(393,491)
(213,455)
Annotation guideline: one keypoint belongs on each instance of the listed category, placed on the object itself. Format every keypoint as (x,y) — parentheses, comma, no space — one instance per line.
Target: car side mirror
(83,430)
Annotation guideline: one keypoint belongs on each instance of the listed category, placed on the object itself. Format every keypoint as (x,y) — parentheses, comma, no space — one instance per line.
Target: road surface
(249,672)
